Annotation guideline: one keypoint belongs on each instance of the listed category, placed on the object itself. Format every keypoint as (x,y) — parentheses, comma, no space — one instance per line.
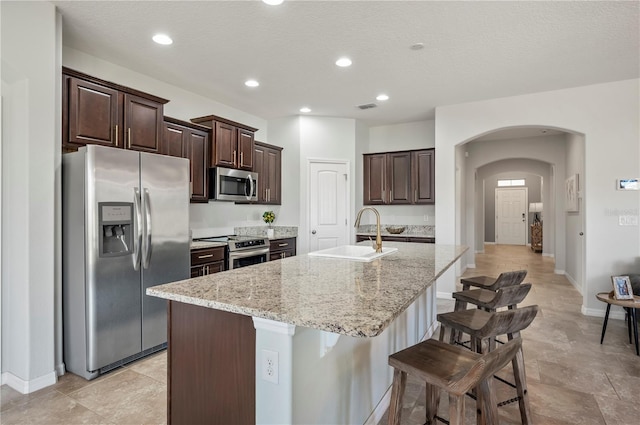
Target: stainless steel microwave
(226,184)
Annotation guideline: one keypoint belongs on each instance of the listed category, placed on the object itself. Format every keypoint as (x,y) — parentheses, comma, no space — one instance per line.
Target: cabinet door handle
(234,158)
(390,195)
(116,135)
(283,244)
(208,269)
(241,159)
(415,195)
(129,138)
(205,256)
(283,255)
(269,195)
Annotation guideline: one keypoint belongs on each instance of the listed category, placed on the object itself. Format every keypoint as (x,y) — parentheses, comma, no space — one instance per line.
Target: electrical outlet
(426,218)
(270,367)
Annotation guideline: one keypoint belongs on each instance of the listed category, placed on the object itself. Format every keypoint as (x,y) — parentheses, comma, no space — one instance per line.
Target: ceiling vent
(367,106)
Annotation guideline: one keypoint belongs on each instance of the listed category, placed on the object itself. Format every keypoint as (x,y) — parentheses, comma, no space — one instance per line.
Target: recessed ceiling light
(343,62)
(251,83)
(162,39)
(417,46)
(382,97)
(272,2)
(305,109)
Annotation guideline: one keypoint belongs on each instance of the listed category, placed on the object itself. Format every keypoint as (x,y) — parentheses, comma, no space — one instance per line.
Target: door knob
(581,233)
(313,232)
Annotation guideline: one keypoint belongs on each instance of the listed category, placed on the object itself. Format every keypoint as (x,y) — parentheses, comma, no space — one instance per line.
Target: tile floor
(572,378)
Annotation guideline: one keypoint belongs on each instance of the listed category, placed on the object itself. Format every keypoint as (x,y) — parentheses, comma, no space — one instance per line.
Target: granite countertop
(204,244)
(335,295)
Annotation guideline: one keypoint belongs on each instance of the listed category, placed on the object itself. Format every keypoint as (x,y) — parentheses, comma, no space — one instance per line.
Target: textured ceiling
(473,50)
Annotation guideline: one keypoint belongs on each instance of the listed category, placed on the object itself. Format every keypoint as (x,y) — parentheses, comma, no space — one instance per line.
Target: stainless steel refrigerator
(125,228)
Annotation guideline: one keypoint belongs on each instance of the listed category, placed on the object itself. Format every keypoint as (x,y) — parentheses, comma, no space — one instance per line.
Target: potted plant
(268,217)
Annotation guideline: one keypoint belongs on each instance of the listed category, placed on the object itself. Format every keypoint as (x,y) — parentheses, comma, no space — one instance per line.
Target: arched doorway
(553,155)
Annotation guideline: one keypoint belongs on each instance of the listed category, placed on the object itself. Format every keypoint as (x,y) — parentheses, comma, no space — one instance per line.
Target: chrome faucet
(378,244)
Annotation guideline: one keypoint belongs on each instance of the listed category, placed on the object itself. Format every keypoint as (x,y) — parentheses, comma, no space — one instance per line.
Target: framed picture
(571,193)
(628,184)
(622,289)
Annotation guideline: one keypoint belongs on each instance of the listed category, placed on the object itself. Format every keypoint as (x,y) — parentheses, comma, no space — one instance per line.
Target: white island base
(328,378)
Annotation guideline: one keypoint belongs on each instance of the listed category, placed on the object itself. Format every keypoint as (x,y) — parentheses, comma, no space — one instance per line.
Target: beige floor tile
(10,398)
(619,412)
(126,397)
(51,408)
(154,367)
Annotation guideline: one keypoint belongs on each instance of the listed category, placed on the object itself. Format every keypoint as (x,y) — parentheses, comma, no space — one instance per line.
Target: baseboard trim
(383,405)
(444,295)
(600,312)
(27,387)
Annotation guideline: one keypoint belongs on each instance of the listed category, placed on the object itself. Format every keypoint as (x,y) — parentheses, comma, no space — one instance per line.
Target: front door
(328,204)
(511,216)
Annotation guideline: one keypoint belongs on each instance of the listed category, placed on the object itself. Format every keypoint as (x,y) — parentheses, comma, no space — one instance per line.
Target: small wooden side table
(630,307)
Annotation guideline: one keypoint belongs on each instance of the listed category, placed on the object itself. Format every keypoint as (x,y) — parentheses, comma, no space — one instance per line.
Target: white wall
(574,220)
(608,115)
(31,155)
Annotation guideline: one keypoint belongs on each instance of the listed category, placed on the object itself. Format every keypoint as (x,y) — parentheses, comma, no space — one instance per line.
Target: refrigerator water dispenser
(116,228)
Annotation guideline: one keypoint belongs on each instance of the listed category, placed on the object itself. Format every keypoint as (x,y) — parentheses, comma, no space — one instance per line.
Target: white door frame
(347,200)
(526,209)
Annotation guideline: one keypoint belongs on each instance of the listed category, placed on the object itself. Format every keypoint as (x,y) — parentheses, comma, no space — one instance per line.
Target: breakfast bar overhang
(299,340)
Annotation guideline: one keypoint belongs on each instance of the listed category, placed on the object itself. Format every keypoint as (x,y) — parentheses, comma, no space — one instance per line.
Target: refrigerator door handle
(146,247)
(137,240)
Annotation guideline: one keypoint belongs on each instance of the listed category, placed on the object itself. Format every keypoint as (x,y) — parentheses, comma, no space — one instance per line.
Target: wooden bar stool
(492,283)
(483,327)
(509,296)
(454,370)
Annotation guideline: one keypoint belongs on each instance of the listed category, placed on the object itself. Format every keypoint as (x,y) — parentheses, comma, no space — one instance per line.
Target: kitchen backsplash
(410,229)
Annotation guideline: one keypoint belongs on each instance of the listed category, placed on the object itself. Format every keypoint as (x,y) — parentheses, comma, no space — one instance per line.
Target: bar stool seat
(492,283)
(454,370)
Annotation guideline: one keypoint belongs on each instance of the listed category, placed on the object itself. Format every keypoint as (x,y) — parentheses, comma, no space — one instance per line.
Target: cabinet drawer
(207,255)
(277,245)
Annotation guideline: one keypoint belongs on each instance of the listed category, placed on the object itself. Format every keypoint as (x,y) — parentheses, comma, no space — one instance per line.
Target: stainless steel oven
(246,251)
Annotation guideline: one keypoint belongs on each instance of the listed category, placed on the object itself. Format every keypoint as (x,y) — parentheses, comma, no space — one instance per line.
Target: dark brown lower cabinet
(282,248)
(211,366)
(206,261)
(360,238)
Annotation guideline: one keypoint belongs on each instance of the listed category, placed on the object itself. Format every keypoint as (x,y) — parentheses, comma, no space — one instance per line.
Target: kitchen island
(300,340)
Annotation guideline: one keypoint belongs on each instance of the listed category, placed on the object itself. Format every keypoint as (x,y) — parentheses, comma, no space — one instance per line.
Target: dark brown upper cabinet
(268,163)
(396,178)
(375,179)
(99,112)
(186,140)
(232,143)
(423,164)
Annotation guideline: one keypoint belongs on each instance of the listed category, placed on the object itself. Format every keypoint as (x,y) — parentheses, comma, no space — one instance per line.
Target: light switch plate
(628,220)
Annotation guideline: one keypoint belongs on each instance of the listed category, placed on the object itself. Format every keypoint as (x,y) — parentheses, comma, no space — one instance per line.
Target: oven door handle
(248,253)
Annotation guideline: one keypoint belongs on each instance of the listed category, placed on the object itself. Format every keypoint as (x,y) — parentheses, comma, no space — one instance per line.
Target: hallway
(572,379)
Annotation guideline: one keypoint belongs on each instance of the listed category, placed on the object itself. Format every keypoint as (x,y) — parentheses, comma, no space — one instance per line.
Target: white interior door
(511,216)
(328,204)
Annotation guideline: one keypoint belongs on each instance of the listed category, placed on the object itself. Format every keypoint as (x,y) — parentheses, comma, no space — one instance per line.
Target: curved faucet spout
(378,246)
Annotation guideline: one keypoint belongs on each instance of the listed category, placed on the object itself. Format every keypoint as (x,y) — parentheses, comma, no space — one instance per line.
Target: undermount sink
(353,252)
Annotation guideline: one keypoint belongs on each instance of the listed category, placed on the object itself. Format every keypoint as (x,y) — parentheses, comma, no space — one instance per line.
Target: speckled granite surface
(334,295)
(201,245)
(280,232)
(412,230)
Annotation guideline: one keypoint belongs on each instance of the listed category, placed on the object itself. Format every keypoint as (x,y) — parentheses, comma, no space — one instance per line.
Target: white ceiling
(473,50)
